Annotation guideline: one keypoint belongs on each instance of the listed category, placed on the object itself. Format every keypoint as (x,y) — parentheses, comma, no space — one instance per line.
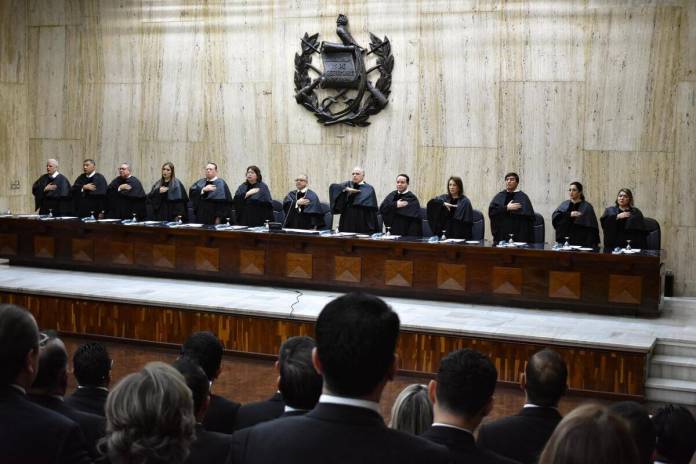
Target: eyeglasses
(43,339)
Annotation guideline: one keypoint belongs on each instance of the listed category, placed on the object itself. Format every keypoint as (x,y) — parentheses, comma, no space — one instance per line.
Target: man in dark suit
(49,388)
(92,369)
(206,349)
(356,337)
(208,447)
(462,395)
(30,433)
(523,436)
(299,386)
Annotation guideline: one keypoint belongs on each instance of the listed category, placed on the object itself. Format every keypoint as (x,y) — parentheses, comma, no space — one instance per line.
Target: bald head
(546,377)
(53,368)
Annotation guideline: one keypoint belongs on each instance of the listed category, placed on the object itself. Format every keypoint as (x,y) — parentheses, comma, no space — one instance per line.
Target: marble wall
(601,91)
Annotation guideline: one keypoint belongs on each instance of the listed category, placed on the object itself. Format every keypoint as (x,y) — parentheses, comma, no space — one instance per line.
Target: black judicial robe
(404,221)
(303,217)
(123,204)
(504,222)
(86,201)
(255,210)
(168,205)
(57,201)
(456,222)
(617,231)
(209,206)
(582,230)
(358,211)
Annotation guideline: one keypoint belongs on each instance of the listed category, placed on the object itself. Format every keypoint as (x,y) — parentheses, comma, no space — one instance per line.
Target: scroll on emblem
(348,95)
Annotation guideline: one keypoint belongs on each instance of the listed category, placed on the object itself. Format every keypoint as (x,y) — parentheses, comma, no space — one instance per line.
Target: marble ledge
(678,321)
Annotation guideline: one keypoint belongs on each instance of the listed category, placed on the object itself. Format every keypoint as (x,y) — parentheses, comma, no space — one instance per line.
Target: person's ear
(316,362)
(432,389)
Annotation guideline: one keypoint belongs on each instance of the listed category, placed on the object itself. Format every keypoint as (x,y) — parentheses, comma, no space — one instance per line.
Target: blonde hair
(412,411)
(149,418)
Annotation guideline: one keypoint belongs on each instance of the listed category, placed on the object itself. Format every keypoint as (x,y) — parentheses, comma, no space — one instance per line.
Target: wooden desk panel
(593,282)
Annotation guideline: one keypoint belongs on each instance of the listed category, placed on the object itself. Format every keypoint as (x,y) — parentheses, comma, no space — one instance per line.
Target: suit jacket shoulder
(221,415)
(462,447)
(254,413)
(209,447)
(332,433)
(88,399)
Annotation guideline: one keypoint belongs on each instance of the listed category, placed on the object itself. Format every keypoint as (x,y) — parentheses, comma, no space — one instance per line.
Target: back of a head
(412,411)
(639,425)
(547,378)
(590,434)
(465,382)
(356,337)
(675,428)
(149,417)
(196,380)
(53,365)
(206,349)
(300,384)
(91,365)
(18,336)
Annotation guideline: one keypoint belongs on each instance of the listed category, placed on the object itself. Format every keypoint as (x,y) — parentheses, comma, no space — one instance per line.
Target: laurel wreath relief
(371,98)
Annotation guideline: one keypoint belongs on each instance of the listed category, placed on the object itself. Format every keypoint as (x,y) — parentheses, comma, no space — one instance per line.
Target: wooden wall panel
(591,370)
(480,87)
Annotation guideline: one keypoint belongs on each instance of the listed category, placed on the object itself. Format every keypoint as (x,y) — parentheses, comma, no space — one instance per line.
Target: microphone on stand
(294,202)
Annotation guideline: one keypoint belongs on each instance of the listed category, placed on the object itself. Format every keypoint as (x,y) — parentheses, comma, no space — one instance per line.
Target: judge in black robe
(125,196)
(211,198)
(401,210)
(623,222)
(252,200)
(356,202)
(511,212)
(168,199)
(575,218)
(89,191)
(451,214)
(302,207)
(52,192)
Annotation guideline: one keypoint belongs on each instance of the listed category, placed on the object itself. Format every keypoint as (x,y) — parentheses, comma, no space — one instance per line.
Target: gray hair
(412,411)
(149,418)
(53,161)
(358,168)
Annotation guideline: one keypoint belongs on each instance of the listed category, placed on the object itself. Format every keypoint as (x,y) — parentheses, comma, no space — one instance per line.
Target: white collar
(96,388)
(402,193)
(89,176)
(304,190)
(345,401)
(55,174)
(442,424)
(291,409)
(18,388)
(211,180)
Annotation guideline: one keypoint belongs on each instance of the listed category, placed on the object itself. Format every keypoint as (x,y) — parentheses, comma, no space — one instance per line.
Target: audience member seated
(92,370)
(462,395)
(149,418)
(675,427)
(590,434)
(49,388)
(298,381)
(640,426)
(205,349)
(208,447)
(522,437)
(30,433)
(412,411)
(356,337)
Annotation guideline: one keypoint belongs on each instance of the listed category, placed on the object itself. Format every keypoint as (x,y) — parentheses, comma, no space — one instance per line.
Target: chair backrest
(478,230)
(380,223)
(653,234)
(277,205)
(539,228)
(427,231)
(328,217)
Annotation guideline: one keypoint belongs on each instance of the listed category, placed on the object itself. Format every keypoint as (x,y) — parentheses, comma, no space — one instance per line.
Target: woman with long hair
(167,199)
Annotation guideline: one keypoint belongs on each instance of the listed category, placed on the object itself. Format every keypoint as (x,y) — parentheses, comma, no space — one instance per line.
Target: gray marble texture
(678,320)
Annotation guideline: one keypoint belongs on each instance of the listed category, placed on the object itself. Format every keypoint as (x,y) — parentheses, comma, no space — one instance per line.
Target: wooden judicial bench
(540,278)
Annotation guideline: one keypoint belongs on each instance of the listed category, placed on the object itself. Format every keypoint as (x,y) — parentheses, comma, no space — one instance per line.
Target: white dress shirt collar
(345,401)
(18,388)
(291,409)
(442,424)
(89,176)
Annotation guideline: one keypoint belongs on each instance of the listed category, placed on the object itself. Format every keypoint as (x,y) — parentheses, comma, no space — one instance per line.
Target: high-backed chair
(479,227)
(653,235)
(427,231)
(278,213)
(328,217)
(539,228)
